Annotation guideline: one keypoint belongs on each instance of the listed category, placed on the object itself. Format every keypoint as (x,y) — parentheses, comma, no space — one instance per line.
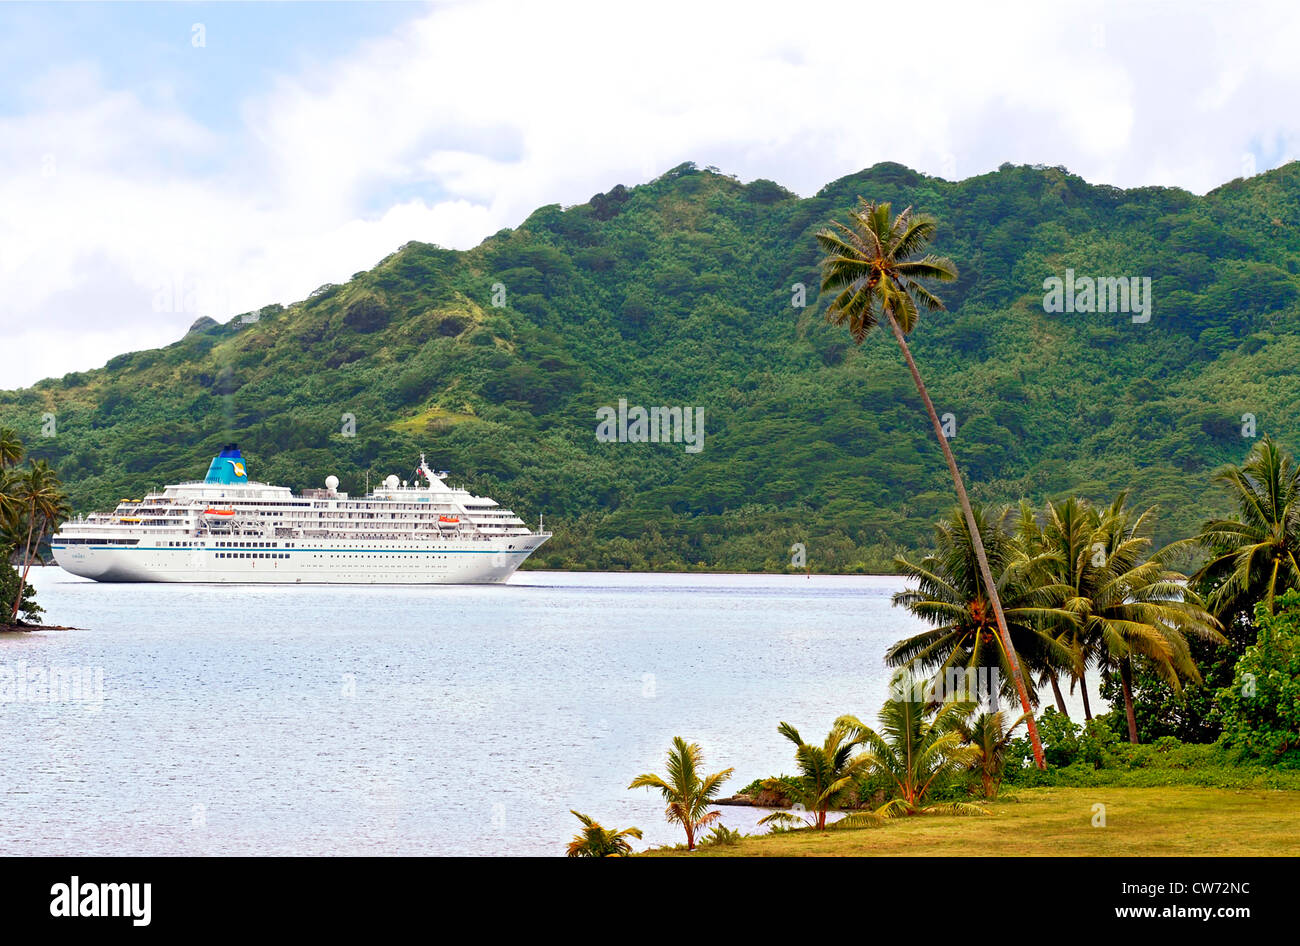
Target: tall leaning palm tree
(1254,557)
(873,267)
(687,794)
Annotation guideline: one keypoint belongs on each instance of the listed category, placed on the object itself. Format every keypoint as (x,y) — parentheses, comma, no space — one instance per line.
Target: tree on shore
(595,840)
(990,737)
(1132,605)
(688,795)
(1053,551)
(15,593)
(38,504)
(917,745)
(829,774)
(872,266)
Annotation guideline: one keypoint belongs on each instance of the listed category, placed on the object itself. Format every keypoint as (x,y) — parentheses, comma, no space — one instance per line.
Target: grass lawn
(1168,821)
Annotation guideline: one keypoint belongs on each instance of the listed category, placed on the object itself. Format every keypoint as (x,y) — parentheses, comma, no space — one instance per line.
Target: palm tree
(1129,605)
(829,772)
(1036,559)
(44,505)
(951,596)
(1254,557)
(1068,556)
(917,745)
(989,735)
(11,448)
(597,841)
(688,796)
(872,267)
(11,514)
(11,452)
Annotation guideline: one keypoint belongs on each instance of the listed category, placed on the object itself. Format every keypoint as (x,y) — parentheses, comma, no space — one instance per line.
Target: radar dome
(331,482)
(391,482)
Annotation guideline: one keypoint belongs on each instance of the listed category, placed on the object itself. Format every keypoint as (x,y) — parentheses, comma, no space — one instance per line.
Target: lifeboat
(218,512)
(451,519)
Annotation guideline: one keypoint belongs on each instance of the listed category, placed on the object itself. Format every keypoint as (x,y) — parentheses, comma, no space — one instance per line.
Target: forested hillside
(681,292)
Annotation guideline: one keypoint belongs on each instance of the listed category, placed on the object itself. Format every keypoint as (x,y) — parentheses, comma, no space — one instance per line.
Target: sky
(165,161)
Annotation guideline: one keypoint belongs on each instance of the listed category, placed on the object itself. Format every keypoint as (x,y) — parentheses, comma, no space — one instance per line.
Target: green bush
(9,579)
(1261,710)
(722,836)
(1060,738)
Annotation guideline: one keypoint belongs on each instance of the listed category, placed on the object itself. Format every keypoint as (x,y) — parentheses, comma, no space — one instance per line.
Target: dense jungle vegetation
(683,292)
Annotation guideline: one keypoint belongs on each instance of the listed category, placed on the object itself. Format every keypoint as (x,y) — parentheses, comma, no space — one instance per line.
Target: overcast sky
(159,162)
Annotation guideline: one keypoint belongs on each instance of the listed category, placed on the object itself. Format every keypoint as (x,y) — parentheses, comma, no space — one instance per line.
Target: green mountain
(681,292)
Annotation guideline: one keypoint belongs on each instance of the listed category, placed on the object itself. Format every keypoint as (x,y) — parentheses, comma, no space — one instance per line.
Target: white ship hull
(484,561)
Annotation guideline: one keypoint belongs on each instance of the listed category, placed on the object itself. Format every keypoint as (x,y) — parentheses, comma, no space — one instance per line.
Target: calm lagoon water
(432,720)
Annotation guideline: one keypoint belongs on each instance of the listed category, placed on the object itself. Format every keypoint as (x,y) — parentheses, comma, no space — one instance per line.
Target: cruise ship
(228,528)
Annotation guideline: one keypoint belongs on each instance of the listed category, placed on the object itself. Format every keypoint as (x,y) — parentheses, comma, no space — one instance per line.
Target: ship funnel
(227,467)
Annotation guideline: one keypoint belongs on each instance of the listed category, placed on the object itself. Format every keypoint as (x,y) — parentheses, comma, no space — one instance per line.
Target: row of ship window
(286,555)
(229,545)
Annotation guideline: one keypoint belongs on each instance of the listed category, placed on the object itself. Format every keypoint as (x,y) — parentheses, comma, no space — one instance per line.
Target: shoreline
(28,628)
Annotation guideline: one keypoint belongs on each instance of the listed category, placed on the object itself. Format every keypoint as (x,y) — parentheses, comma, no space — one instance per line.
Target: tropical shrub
(594,840)
(689,796)
(722,836)
(827,777)
(28,610)
(918,745)
(1261,710)
(1060,738)
(990,738)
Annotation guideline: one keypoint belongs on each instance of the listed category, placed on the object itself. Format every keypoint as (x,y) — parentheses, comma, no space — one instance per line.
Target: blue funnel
(227,467)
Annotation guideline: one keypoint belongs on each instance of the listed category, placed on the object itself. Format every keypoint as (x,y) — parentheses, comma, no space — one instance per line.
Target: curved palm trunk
(1056,692)
(976,542)
(1126,678)
(1083,688)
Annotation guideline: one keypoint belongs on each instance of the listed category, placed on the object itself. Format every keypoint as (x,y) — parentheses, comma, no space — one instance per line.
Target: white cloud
(470,116)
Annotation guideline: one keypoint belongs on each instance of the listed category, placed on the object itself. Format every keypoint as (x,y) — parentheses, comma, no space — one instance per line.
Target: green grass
(431,420)
(1057,822)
